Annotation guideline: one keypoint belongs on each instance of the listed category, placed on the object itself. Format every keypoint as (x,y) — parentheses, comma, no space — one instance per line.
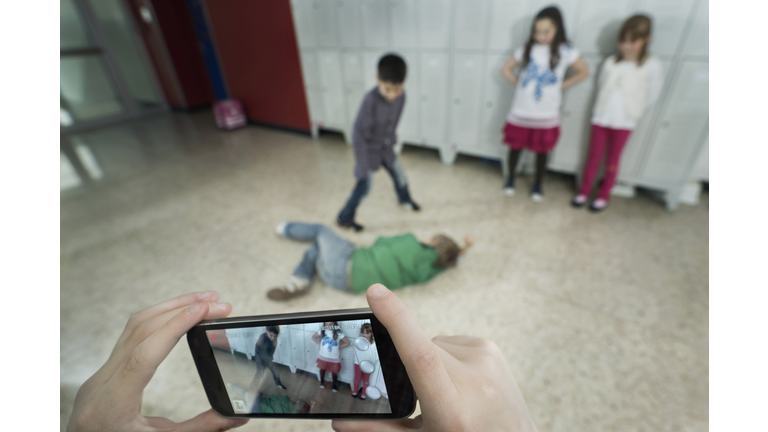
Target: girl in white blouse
(629,83)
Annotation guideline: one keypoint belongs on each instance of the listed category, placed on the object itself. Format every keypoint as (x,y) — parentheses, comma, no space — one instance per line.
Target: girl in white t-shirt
(533,121)
(366,331)
(331,341)
(629,83)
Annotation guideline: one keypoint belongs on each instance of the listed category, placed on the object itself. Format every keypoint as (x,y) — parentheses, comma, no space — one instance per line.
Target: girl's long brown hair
(335,331)
(553,14)
(634,28)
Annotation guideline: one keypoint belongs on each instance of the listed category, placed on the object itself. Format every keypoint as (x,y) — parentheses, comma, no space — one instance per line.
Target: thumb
(421,357)
(209,421)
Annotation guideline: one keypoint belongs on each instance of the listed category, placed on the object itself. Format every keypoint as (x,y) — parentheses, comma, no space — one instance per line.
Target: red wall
(260,59)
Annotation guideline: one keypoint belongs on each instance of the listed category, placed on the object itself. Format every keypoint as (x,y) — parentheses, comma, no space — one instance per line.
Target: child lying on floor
(393,261)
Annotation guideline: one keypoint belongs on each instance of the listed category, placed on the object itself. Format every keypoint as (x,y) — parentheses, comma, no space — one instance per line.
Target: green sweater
(393,262)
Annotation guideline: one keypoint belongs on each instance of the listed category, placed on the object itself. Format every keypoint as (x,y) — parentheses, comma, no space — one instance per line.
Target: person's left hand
(110,400)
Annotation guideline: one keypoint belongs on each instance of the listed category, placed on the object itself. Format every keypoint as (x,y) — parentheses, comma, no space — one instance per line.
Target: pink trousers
(616,139)
(356,383)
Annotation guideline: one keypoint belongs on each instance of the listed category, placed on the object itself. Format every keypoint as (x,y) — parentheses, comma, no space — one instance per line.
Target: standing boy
(265,350)
(373,139)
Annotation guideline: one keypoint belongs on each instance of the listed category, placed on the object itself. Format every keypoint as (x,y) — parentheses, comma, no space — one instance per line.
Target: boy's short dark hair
(274,329)
(392,69)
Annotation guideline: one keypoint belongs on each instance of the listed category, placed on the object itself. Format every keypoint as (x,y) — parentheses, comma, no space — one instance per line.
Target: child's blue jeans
(328,256)
(363,186)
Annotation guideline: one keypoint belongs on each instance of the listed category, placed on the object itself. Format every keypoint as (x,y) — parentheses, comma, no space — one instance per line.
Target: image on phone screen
(327,367)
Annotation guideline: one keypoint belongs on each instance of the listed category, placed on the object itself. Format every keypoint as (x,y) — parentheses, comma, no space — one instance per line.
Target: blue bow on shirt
(330,342)
(545,78)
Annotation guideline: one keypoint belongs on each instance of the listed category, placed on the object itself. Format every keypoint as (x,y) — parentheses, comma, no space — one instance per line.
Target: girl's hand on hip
(110,400)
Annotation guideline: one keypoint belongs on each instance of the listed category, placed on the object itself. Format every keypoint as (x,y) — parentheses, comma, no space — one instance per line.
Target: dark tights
(541,164)
(322,377)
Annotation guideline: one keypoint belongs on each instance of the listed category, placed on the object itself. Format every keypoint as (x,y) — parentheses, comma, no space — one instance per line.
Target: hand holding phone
(110,400)
(463,383)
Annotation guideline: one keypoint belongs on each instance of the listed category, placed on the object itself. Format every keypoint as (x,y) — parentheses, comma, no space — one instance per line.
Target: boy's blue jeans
(363,186)
(328,256)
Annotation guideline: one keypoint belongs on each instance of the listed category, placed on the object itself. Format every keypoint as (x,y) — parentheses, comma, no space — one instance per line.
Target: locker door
(682,125)
(332,89)
(509,24)
(575,128)
(311,349)
(284,349)
(348,19)
(434,23)
(375,23)
(496,102)
(433,83)
(467,99)
(697,43)
(354,89)
(311,72)
(470,24)
(370,68)
(669,18)
(304,20)
(326,28)
(598,25)
(567,9)
(634,149)
(408,128)
(404,24)
(298,358)
(701,170)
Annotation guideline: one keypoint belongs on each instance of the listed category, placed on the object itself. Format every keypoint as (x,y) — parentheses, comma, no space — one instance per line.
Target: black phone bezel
(399,388)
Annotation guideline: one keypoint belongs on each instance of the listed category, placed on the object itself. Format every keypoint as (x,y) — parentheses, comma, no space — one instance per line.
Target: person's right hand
(463,383)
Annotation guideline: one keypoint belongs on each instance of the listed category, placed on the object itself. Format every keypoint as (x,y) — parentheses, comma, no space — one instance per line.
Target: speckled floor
(603,318)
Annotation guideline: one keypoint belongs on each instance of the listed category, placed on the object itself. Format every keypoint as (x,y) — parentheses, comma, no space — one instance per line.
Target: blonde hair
(634,28)
(447,251)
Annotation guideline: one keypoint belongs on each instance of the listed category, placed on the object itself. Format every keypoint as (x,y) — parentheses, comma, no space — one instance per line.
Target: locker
(408,128)
(508,24)
(467,99)
(354,88)
(332,89)
(375,19)
(682,127)
(326,27)
(669,18)
(297,346)
(599,24)
(311,73)
(496,103)
(304,22)
(433,83)
(348,19)
(471,24)
(434,23)
(697,43)
(404,24)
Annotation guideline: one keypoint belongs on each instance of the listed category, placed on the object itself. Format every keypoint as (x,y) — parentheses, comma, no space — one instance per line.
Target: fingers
(422,359)
(173,304)
(469,341)
(209,421)
(377,426)
(138,368)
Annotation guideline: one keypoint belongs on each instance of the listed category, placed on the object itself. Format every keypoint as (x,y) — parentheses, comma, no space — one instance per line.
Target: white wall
(456,98)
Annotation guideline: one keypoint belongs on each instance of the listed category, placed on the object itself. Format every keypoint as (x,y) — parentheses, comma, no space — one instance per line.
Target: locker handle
(424,98)
(489,104)
(665,124)
(340,3)
(457,101)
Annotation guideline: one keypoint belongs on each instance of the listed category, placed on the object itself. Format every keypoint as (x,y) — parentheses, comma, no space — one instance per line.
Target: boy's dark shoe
(411,206)
(349,225)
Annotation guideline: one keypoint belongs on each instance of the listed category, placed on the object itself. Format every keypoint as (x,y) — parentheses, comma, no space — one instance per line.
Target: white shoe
(509,192)
(322,386)
(537,197)
(280,228)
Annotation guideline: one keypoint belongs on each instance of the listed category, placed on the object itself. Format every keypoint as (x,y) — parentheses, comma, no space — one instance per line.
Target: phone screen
(315,368)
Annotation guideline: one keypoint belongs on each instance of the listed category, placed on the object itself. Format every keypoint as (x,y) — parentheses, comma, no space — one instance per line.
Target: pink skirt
(535,140)
(328,366)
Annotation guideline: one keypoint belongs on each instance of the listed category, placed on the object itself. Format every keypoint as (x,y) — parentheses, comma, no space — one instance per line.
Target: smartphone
(302,365)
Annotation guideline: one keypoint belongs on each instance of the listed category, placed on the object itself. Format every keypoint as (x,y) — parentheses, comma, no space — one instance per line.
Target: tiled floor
(603,318)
